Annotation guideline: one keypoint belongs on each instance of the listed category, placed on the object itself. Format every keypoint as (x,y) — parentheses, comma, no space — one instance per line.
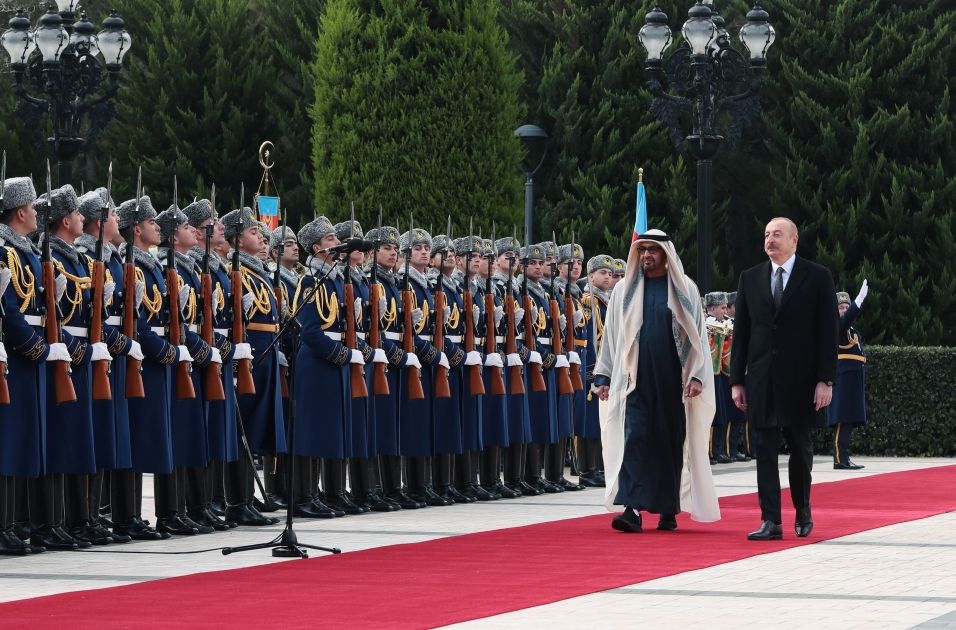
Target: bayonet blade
(175,192)
(448,230)
(212,201)
(109,186)
(3,172)
(352,223)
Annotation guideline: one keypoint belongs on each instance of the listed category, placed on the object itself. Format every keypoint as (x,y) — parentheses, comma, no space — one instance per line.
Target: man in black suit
(785,348)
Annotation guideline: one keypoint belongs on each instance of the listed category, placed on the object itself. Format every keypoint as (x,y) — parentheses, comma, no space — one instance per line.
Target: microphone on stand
(353,245)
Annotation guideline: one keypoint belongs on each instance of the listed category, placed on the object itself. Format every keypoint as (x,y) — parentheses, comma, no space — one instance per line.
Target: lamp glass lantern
(757,34)
(67,6)
(699,29)
(534,139)
(114,41)
(51,38)
(18,40)
(655,35)
(84,37)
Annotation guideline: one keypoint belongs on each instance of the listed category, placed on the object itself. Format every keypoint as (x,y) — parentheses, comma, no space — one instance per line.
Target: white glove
(416,317)
(574,358)
(499,315)
(5,276)
(563,322)
(473,358)
(411,360)
(561,361)
(443,361)
(357,309)
(519,314)
(135,350)
(247,300)
(58,352)
(184,296)
(241,351)
(356,357)
(283,360)
(494,360)
(216,293)
(140,293)
(100,352)
(514,359)
(864,289)
(216,356)
(382,306)
(475,313)
(534,313)
(578,318)
(60,284)
(446,313)
(3,353)
(535,357)
(109,288)
(184,354)
(285,310)
(379,356)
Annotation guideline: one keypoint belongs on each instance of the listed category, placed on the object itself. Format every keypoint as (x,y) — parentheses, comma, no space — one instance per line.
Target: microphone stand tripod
(286,544)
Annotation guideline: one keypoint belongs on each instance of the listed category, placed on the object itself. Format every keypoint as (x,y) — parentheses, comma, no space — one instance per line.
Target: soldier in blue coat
(387,417)
(23,420)
(848,409)
(590,458)
(260,413)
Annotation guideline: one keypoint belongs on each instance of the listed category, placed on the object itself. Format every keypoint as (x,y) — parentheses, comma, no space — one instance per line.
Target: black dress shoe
(853,465)
(404,501)
(740,457)
(22,530)
(587,480)
(431,498)
(713,461)
(803,524)
(105,521)
(529,490)
(136,529)
(201,527)
(723,459)
(218,508)
(480,492)
(81,543)
(377,503)
(54,538)
(667,523)
(95,534)
(207,518)
(322,506)
(568,485)
(511,490)
(545,486)
(768,531)
(308,509)
(175,526)
(629,522)
(451,492)
(11,545)
(343,503)
(247,515)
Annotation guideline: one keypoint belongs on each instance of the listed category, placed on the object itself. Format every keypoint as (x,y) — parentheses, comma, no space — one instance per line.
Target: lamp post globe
(534,140)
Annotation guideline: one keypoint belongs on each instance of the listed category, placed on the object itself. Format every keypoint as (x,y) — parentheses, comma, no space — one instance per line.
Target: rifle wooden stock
(491,346)
(359,389)
(535,373)
(244,382)
(213,377)
(511,346)
(414,376)
(475,383)
(576,381)
(61,369)
(101,369)
(134,376)
(379,379)
(563,377)
(184,380)
(442,386)
(4,387)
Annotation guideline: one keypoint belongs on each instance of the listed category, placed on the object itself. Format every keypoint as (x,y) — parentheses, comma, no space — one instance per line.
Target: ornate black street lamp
(534,140)
(711,81)
(58,61)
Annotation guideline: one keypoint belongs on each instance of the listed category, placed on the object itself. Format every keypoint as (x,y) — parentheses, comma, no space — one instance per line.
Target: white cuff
(535,357)
(494,360)
(574,358)
(411,360)
(356,357)
(135,350)
(58,352)
(379,356)
(184,354)
(561,361)
(443,361)
(514,359)
(100,352)
(216,355)
(242,351)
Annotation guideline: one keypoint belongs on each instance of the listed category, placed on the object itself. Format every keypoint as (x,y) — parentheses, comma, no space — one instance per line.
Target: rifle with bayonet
(375,293)
(442,386)
(414,375)
(176,333)
(491,330)
(575,371)
(561,373)
(61,369)
(357,376)
(4,386)
(530,339)
(213,383)
(511,342)
(475,382)
(277,291)
(134,367)
(101,369)
(244,382)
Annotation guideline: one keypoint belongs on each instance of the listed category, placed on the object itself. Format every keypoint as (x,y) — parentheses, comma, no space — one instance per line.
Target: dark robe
(655,426)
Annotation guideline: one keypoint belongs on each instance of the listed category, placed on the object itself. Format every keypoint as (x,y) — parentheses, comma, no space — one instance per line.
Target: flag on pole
(640,218)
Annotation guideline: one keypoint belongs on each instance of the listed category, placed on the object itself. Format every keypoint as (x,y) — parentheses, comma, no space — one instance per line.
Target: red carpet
(477,575)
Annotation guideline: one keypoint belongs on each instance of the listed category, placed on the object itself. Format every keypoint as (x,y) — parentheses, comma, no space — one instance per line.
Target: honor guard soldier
(71,457)
(387,439)
(222,437)
(447,410)
(718,333)
(619,266)
(494,410)
(570,264)
(469,255)
(110,416)
(600,281)
(260,411)
(738,444)
(23,419)
(508,251)
(848,409)
(188,413)
(417,416)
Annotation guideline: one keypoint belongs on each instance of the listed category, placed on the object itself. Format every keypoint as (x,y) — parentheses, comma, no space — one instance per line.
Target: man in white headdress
(655,374)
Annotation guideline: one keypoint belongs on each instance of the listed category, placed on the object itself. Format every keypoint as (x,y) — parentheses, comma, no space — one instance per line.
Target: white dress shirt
(787,270)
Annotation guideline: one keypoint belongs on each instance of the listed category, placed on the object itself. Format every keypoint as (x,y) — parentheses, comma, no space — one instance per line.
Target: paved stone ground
(894,577)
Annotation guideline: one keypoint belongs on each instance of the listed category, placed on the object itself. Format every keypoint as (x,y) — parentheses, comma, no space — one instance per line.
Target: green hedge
(911,404)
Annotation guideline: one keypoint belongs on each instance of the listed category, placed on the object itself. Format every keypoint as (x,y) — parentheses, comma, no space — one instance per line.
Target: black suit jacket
(784,353)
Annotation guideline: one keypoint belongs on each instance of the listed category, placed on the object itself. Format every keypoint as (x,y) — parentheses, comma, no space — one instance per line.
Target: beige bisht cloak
(618,360)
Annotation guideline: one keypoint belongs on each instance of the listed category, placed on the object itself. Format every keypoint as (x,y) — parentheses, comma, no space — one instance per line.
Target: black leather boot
(333,480)
(489,475)
(554,468)
(392,484)
(513,468)
(532,474)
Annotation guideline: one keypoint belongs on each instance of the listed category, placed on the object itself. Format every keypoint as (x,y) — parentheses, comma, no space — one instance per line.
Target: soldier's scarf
(198,253)
(86,244)
(321,269)
(144,258)
(17,241)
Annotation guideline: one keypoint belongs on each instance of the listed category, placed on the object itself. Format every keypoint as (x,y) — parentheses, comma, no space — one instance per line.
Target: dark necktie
(778,288)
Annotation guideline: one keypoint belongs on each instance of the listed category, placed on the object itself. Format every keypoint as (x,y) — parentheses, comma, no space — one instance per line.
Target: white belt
(221,331)
(114,320)
(394,336)
(33,320)
(544,340)
(427,338)
(77,331)
(334,336)
(360,335)
(193,327)
(159,330)
(454,338)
